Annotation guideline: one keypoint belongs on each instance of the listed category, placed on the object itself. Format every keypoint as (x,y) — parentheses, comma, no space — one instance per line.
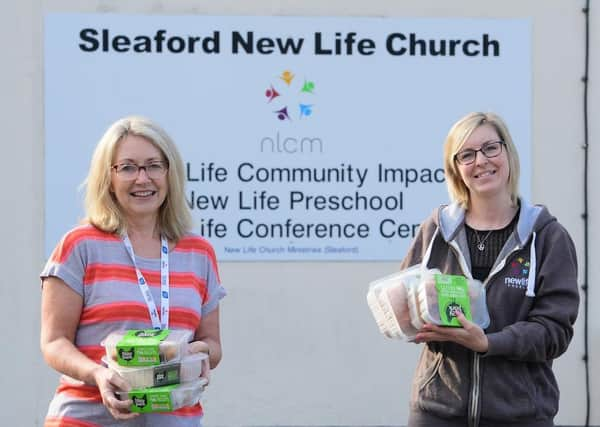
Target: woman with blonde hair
(500,376)
(133,264)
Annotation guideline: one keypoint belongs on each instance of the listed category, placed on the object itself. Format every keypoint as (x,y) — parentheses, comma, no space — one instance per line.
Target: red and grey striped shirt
(96,265)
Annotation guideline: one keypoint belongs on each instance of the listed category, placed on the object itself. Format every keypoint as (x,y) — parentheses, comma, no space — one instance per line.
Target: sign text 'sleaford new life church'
(303,138)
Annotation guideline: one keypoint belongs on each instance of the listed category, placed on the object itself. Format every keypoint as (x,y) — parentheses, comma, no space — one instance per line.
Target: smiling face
(142,197)
(485,177)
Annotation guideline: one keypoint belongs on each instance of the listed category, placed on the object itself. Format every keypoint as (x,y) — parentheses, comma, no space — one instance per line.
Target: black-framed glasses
(130,171)
(489,150)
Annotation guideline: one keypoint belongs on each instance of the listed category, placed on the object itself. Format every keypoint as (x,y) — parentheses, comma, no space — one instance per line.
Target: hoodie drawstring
(532,266)
(427,255)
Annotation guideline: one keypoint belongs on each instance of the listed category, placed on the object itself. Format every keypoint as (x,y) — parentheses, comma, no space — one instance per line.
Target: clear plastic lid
(188,369)
(440,296)
(388,300)
(396,301)
(413,305)
(378,313)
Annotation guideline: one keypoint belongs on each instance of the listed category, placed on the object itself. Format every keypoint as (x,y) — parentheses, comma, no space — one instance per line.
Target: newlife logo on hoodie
(519,272)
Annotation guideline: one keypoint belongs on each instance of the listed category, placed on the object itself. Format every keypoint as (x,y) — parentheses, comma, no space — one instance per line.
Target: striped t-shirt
(97,266)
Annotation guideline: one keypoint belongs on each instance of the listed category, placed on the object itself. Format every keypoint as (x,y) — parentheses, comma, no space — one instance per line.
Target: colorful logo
(519,267)
(291,98)
(519,274)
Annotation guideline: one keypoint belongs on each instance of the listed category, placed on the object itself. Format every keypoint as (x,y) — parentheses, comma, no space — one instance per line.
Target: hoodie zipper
(473,415)
(473,412)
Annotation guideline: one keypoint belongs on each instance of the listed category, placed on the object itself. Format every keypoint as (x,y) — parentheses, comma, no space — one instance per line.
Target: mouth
(143,194)
(485,173)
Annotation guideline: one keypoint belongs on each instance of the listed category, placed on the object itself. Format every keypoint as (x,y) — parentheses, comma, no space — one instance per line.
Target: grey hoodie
(533,300)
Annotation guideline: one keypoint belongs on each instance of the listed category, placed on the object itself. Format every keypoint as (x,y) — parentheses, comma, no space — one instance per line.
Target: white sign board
(304,138)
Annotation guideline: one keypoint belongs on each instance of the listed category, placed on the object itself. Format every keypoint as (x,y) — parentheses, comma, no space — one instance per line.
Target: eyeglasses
(489,150)
(130,171)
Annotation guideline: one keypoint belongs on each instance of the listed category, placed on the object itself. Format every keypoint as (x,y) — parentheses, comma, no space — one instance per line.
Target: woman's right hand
(108,381)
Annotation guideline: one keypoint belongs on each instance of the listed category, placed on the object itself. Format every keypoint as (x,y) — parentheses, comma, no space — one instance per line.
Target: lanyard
(163,321)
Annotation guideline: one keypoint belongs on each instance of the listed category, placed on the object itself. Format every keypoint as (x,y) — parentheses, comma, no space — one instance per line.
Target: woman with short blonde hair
(497,372)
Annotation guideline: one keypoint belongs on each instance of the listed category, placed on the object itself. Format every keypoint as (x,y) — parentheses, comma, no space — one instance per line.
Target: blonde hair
(458,134)
(101,207)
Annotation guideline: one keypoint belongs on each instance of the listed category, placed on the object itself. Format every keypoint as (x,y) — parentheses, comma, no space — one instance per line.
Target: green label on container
(453,296)
(140,347)
(156,399)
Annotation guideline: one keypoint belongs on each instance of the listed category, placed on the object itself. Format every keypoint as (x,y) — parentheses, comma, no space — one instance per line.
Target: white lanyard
(163,321)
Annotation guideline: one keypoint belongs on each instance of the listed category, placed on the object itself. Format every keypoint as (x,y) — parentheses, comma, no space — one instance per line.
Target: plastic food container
(388,300)
(186,370)
(440,296)
(413,306)
(146,347)
(166,398)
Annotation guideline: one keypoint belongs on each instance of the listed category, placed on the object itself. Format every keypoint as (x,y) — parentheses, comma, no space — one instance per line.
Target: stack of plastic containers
(157,366)
(403,302)
(388,299)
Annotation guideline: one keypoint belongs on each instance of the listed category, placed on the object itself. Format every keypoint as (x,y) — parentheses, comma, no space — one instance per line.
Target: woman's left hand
(470,335)
(202,347)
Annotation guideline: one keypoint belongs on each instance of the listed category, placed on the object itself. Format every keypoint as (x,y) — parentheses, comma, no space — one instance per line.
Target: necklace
(481,242)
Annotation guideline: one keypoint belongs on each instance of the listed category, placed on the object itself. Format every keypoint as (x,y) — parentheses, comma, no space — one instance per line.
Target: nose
(145,177)
(480,157)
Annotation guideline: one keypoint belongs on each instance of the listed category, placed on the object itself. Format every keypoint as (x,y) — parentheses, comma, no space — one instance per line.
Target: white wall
(291,358)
